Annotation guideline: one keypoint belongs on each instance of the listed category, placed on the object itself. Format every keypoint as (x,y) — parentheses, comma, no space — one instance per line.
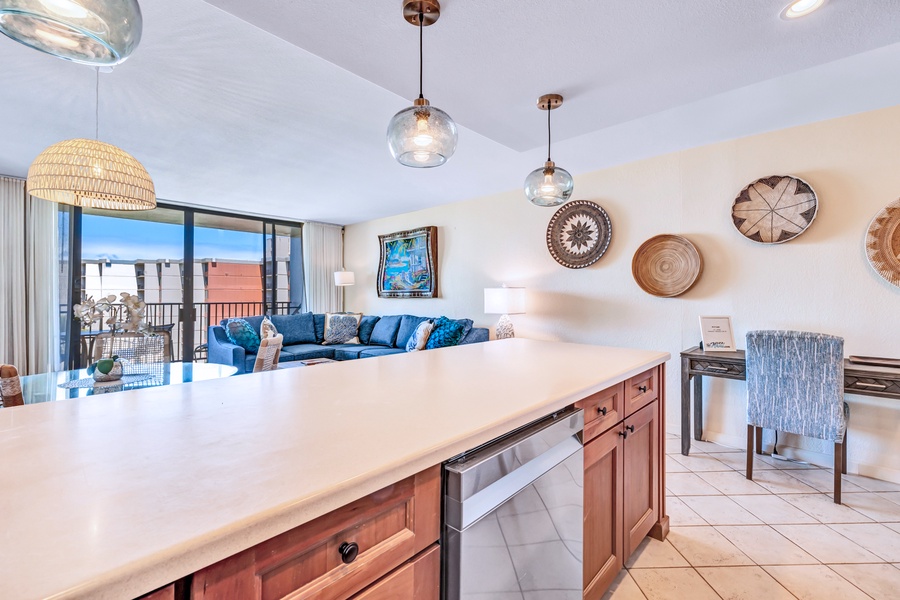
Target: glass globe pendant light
(91,32)
(422,135)
(550,185)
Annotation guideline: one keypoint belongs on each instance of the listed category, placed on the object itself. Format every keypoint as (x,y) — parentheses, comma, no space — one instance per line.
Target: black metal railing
(168,316)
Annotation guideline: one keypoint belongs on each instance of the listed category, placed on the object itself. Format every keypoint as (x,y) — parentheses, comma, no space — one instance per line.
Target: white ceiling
(279,107)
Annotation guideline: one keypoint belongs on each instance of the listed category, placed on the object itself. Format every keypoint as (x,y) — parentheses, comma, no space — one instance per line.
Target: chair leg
(838,469)
(759,446)
(750,438)
(844,457)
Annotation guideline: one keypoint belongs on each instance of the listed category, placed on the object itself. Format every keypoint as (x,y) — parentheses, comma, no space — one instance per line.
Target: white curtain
(29,284)
(323,251)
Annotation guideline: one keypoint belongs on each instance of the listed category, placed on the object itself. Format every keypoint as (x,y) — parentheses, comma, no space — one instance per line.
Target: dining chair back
(136,348)
(10,386)
(795,384)
(268,354)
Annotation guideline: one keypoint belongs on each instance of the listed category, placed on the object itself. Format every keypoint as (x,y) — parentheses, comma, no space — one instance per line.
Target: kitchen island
(115,496)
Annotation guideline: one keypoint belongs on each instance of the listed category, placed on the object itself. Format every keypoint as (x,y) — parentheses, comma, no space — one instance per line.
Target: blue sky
(128,239)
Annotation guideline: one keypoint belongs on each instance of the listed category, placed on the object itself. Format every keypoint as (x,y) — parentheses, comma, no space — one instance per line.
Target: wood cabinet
(624,483)
(419,579)
(339,554)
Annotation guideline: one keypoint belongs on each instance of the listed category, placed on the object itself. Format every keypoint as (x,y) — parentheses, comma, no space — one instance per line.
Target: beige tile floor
(777,537)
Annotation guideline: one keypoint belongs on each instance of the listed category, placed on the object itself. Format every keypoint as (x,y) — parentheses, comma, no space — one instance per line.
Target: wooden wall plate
(666,265)
(775,209)
(883,243)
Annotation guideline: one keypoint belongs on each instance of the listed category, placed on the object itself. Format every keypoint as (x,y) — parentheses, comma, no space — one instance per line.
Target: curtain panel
(323,254)
(29,285)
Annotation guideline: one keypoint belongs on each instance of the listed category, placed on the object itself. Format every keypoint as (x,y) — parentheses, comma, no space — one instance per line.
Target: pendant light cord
(548,132)
(421,60)
(97,106)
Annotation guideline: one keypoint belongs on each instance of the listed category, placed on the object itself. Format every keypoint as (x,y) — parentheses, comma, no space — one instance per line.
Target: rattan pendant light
(91,174)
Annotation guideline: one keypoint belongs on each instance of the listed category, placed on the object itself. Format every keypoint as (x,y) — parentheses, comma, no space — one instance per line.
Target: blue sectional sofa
(303,335)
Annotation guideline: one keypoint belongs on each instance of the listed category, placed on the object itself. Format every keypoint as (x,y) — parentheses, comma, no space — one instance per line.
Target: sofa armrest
(222,351)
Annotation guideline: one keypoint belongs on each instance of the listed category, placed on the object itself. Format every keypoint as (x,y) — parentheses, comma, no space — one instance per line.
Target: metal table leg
(685,406)
(698,407)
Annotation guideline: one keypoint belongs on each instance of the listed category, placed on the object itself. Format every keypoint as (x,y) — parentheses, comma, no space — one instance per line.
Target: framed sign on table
(408,264)
(717,334)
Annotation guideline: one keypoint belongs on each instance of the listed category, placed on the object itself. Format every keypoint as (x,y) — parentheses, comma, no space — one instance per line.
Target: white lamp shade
(342,278)
(504,301)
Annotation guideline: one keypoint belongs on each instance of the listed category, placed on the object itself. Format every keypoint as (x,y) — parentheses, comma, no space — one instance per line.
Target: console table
(697,364)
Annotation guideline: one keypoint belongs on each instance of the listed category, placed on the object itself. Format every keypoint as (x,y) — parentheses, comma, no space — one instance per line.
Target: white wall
(820,281)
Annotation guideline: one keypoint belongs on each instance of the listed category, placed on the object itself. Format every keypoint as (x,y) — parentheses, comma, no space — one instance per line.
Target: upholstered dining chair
(795,384)
(268,354)
(10,386)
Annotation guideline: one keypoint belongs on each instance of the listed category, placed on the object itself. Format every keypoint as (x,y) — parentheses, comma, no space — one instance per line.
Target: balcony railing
(168,316)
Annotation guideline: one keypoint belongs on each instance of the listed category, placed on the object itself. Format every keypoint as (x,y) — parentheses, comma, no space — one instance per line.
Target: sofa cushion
(296,329)
(476,335)
(467,326)
(408,324)
(341,328)
(446,332)
(305,351)
(419,337)
(241,333)
(319,320)
(348,351)
(379,351)
(366,325)
(385,331)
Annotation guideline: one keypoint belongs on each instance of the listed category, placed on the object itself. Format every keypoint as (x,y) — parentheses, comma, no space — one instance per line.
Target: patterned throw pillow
(241,333)
(419,337)
(267,328)
(341,328)
(446,332)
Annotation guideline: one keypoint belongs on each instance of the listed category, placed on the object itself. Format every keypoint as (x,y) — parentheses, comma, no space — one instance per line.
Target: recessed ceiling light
(801,8)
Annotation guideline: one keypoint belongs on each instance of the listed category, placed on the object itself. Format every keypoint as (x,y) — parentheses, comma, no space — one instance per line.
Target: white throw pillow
(267,329)
(419,337)
(342,328)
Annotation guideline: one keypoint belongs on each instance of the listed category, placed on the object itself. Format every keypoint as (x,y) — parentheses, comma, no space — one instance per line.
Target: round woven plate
(578,234)
(883,243)
(666,266)
(775,209)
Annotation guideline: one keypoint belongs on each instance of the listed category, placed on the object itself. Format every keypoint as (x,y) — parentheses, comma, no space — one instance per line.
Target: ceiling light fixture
(422,135)
(801,8)
(550,185)
(91,174)
(91,32)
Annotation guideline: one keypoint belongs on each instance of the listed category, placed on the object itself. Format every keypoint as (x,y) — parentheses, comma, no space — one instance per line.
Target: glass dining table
(62,385)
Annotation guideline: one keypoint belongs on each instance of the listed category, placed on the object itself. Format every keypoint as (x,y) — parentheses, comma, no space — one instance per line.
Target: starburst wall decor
(883,243)
(774,209)
(579,234)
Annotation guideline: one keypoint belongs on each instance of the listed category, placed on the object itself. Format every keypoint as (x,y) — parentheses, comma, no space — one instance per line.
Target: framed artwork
(717,334)
(408,264)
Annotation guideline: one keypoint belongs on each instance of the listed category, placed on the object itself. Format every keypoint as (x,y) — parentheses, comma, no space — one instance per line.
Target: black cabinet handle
(349,551)
(602,410)
(643,389)
(624,434)
(630,428)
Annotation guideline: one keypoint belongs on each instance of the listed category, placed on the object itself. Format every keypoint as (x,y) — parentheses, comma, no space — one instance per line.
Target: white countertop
(113,496)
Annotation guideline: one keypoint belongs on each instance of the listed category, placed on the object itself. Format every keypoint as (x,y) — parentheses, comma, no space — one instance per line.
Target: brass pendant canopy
(429,9)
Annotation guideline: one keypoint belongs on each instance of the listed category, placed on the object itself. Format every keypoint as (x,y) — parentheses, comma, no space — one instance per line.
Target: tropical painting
(408,265)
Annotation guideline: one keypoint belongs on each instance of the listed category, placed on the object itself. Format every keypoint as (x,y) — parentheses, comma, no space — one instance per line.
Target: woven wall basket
(666,265)
(883,243)
(578,234)
(775,209)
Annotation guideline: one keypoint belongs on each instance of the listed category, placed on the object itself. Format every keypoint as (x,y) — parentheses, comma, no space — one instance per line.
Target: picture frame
(407,267)
(717,334)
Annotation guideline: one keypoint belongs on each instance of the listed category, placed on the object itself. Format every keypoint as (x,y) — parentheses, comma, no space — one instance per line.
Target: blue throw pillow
(385,331)
(446,332)
(366,326)
(241,333)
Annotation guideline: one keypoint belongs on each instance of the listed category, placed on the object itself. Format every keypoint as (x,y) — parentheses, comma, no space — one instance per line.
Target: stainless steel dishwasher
(514,514)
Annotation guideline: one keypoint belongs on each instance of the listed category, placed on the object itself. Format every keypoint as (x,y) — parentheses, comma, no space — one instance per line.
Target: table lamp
(504,301)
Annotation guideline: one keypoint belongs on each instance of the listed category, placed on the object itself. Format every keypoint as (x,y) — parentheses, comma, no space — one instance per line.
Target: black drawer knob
(643,389)
(349,551)
(602,410)
(630,428)
(624,434)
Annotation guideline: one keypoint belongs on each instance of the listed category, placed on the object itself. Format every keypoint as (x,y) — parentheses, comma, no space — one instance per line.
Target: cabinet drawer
(641,390)
(389,527)
(602,410)
(419,579)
